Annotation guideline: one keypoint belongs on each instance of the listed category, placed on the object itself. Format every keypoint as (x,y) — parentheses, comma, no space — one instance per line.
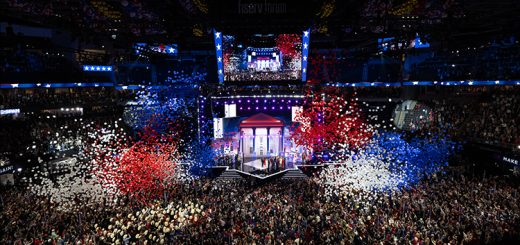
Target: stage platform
(252,165)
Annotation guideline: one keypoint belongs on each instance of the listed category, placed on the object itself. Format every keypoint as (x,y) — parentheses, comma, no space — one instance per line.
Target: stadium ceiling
(335,23)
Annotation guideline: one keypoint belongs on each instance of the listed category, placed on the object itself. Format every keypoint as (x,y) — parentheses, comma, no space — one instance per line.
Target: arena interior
(259,122)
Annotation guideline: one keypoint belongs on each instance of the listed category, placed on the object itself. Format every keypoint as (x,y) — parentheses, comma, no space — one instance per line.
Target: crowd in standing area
(482,114)
(454,208)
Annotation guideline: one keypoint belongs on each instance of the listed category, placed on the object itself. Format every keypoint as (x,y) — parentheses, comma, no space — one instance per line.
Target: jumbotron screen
(262,57)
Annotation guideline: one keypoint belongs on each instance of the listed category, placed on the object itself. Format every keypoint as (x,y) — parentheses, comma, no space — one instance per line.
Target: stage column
(241,146)
(268,134)
(254,142)
(280,141)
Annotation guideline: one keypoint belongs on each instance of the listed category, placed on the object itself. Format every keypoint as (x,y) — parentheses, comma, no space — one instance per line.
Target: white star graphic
(171,50)
(109,68)
(104,68)
(218,46)
(305,45)
(220,71)
(217,35)
(14,85)
(92,68)
(304,70)
(304,58)
(305,33)
(219,59)
(97,68)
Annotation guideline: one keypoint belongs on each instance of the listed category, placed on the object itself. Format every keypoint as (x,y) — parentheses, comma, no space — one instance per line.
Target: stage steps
(294,174)
(229,174)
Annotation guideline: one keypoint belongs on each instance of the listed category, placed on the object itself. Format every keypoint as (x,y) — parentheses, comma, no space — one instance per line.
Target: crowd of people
(273,164)
(50,121)
(267,165)
(481,113)
(453,208)
(491,59)
(486,113)
(497,59)
(97,16)
(262,76)
(428,10)
(232,161)
(38,139)
(85,162)
(20,60)
(254,90)
(52,98)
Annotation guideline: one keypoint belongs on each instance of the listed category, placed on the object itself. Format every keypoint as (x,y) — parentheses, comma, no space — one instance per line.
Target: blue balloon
(412,159)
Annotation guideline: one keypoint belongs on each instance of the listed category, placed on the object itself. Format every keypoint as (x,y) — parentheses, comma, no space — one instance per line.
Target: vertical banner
(230,110)
(305,52)
(295,112)
(220,59)
(218,128)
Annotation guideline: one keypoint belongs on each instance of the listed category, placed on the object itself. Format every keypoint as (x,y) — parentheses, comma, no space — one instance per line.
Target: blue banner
(220,59)
(305,52)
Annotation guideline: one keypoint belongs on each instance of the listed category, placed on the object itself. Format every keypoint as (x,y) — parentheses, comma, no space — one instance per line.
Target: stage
(252,165)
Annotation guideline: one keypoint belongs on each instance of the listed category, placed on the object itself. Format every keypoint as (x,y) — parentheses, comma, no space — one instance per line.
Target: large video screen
(262,57)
